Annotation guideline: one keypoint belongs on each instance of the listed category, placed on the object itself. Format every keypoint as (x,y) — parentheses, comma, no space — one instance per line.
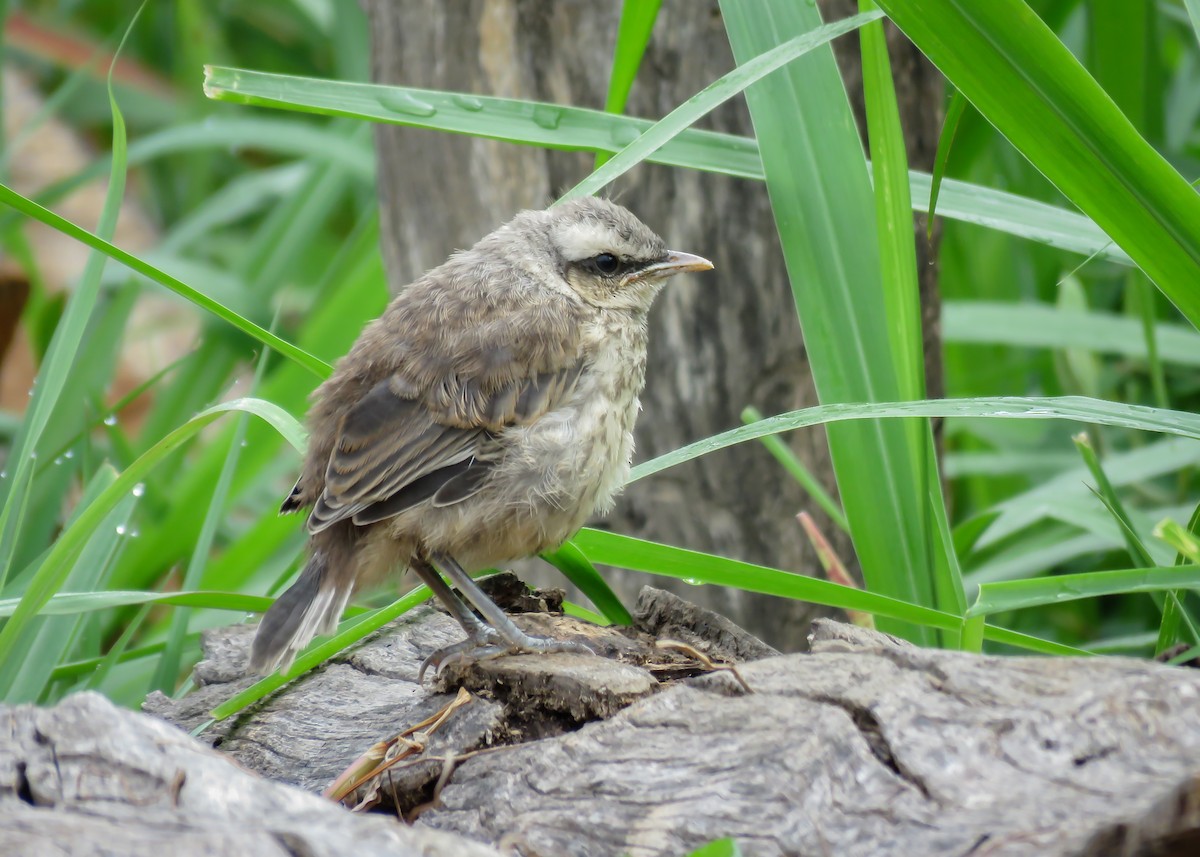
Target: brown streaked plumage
(482,418)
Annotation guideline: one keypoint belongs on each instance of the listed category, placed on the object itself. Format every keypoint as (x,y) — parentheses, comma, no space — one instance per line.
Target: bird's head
(610,258)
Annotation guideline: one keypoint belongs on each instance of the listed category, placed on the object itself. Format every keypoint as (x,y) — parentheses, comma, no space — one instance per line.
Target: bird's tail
(312,606)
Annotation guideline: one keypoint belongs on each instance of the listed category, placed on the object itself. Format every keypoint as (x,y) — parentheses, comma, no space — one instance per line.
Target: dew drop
(120,529)
(402,102)
(3,474)
(546,116)
(58,461)
(139,489)
(469,102)
(70,453)
(110,420)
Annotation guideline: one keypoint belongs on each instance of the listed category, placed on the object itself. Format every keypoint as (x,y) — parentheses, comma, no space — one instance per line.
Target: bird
(484,417)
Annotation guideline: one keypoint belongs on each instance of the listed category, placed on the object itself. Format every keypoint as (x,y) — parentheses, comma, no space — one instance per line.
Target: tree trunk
(718,344)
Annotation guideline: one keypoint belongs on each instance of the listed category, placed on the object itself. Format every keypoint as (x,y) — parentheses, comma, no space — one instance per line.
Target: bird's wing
(422,433)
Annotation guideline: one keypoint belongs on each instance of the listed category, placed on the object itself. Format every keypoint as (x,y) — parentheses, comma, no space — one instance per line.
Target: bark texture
(901,751)
(87,778)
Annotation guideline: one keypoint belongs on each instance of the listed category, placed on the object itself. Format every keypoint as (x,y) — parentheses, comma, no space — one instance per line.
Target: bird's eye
(606,263)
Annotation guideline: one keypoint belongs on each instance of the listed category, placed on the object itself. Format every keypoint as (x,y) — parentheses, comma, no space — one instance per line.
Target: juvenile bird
(481,419)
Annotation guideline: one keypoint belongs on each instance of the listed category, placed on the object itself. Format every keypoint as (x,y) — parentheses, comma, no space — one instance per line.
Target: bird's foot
(491,644)
(468,651)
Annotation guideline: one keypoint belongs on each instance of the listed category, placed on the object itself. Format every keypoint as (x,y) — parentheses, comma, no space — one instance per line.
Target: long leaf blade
(1024,81)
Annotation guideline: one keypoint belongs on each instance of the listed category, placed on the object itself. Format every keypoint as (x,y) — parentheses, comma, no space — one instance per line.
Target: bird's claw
(494,646)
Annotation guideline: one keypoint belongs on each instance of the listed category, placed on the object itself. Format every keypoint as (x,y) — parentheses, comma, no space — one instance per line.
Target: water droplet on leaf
(469,102)
(402,102)
(546,116)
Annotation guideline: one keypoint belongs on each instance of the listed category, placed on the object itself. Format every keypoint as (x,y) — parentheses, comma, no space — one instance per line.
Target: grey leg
(482,640)
(515,639)
(477,631)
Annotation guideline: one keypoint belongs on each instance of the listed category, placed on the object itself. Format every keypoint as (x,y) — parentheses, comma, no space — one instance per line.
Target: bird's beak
(674,263)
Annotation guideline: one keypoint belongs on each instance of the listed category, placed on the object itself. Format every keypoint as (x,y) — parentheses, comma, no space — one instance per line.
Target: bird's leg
(480,637)
(514,639)
(478,632)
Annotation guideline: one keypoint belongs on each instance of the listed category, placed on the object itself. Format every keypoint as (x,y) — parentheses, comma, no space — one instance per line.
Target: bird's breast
(549,476)
(573,461)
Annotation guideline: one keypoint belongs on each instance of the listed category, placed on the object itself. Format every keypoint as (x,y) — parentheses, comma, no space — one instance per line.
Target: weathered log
(88,778)
(311,732)
(867,746)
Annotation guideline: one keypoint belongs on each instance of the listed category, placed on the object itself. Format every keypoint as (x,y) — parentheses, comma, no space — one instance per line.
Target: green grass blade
(72,603)
(700,568)
(1016,215)
(1138,553)
(1025,641)
(1073,408)
(1193,10)
(553,126)
(1122,54)
(694,567)
(89,666)
(48,639)
(796,469)
(972,633)
(1140,296)
(949,591)
(64,346)
(823,207)
(902,305)
(52,572)
(113,656)
(893,217)
(718,848)
(954,113)
(633,34)
(1020,594)
(578,569)
(352,630)
(31,209)
(1024,81)
(1188,547)
(1123,644)
(13,515)
(713,95)
(1037,325)
(580,612)
(1185,658)
(557,126)
(169,663)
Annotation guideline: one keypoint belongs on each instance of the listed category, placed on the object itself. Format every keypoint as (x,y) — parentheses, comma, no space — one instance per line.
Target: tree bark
(717,344)
(902,750)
